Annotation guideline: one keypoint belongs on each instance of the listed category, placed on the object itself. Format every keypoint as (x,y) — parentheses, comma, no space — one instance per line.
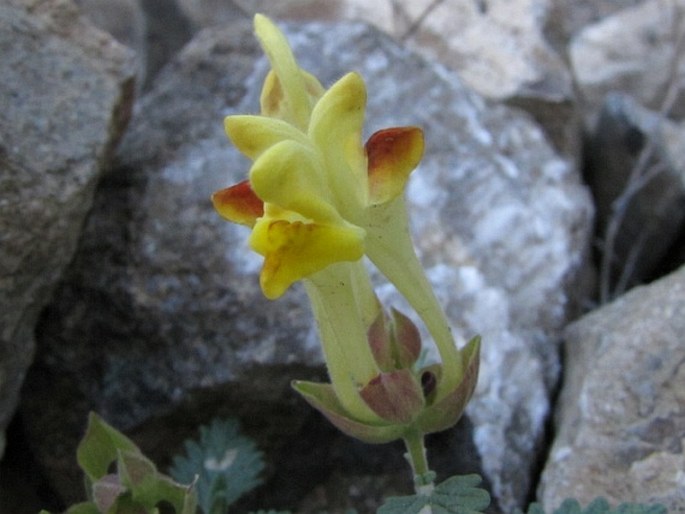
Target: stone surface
(212,12)
(123,19)
(497,47)
(636,169)
(566,19)
(155,29)
(621,425)
(160,304)
(634,51)
(161,314)
(67,95)
(168,30)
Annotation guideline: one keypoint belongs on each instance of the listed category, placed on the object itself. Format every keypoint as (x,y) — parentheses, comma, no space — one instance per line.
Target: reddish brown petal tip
(239,204)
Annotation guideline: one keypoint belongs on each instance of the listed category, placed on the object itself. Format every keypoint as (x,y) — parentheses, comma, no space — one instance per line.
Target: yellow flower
(316,181)
(318,200)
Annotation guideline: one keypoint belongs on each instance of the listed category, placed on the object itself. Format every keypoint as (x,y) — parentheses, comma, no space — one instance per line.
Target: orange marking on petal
(392,155)
(239,204)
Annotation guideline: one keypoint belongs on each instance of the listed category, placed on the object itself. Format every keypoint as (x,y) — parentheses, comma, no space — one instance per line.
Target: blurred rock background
(553,183)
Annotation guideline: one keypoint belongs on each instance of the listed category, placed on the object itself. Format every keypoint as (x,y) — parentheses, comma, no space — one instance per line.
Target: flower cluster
(318,200)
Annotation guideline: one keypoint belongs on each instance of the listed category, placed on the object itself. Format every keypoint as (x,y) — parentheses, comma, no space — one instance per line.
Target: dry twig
(640,175)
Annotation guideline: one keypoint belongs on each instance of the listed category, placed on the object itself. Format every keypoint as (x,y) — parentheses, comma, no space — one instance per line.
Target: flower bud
(396,396)
(406,340)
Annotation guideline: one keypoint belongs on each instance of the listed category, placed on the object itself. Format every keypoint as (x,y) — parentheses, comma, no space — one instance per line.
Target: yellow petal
(294,250)
(341,109)
(335,128)
(273,101)
(393,154)
(287,88)
(252,135)
(289,175)
(312,85)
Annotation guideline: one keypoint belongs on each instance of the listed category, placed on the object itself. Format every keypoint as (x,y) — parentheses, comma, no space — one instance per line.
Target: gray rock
(161,309)
(498,48)
(125,20)
(155,29)
(566,19)
(621,425)
(635,51)
(66,91)
(161,314)
(208,12)
(168,30)
(636,169)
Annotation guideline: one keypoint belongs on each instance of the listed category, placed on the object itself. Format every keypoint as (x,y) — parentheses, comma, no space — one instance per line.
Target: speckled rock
(160,313)
(66,91)
(205,13)
(499,48)
(566,19)
(123,19)
(621,425)
(162,316)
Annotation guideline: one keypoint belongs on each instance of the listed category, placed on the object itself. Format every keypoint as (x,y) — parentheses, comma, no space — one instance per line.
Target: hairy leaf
(456,495)
(100,447)
(226,464)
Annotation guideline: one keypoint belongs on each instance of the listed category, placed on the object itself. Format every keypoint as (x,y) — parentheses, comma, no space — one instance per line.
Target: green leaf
(135,470)
(456,495)
(100,447)
(226,464)
(134,486)
(106,492)
(599,506)
(82,508)
(148,487)
(126,505)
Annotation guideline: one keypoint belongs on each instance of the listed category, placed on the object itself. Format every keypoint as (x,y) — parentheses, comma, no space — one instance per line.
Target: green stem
(336,295)
(416,455)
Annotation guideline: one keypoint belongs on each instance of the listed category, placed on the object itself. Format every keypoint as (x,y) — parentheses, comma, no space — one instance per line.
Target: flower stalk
(335,296)
(416,455)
